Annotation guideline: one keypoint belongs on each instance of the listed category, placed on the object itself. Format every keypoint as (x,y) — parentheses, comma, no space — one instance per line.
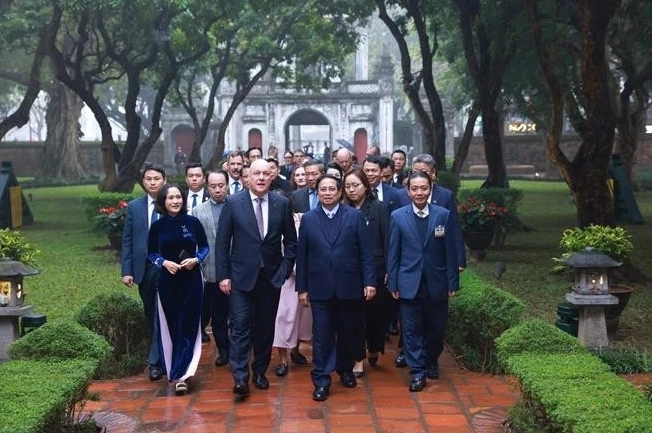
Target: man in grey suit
(254,250)
(135,268)
(216,302)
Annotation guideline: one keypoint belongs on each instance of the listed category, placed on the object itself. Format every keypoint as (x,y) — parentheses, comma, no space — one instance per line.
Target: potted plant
(614,242)
(479,219)
(110,220)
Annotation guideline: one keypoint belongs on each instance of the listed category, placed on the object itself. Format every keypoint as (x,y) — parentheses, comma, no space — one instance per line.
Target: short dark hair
(401,151)
(235,154)
(338,182)
(418,174)
(195,165)
(311,161)
(272,161)
(374,159)
(252,149)
(386,162)
(335,166)
(149,166)
(162,195)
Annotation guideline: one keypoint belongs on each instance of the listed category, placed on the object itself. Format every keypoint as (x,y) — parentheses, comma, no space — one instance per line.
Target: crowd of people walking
(271,255)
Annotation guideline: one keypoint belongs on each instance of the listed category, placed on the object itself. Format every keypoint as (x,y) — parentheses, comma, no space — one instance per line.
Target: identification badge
(439,231)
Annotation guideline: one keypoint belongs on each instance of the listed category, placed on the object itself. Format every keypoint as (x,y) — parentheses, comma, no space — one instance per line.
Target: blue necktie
(194,201)
(236,186)
(154,215)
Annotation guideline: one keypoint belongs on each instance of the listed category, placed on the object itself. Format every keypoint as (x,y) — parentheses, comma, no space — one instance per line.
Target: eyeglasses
(352,185)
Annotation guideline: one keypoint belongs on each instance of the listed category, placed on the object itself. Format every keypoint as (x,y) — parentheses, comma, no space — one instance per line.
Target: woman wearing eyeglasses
(358,193)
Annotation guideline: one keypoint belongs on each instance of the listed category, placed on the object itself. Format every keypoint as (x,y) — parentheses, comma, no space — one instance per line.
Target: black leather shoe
(260,381)
(298,357)
(320,393)
(432,372)
(155,373)
(417,384)
(241,389)
(281,370)
(348,381)
(373,359)
(205,338)
(400,361)
(221,360)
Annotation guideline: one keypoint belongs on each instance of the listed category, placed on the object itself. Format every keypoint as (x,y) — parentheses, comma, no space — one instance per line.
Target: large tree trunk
(493,147)
(60,157)
(465,142)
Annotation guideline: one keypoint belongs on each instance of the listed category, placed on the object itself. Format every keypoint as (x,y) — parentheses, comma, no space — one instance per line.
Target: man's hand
(394,295)
(369,292)
(225,286)
(451,293)
(128,280)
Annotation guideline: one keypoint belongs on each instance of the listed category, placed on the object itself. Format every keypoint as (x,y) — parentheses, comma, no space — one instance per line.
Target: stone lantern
(12,298)
(591,294)
(12,272)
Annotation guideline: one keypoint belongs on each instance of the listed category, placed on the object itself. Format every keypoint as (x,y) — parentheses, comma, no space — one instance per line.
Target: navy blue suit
(422,268)
(444,197)
(392,197)
(300,200)
(134,263)
(335,261)
(257,269)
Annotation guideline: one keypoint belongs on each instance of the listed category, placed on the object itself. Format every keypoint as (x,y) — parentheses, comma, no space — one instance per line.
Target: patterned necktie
(259,217)
(376,192)
(194,201)
(236,186)
(421,214)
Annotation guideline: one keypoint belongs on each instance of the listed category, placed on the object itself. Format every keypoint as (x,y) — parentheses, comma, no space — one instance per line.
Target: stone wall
(530,150)
(26,157)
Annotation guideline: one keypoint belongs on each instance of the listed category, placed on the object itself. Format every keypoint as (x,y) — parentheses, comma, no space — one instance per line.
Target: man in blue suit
(135,267)
(305,199)
(422,274)
(335,274)
(254,252)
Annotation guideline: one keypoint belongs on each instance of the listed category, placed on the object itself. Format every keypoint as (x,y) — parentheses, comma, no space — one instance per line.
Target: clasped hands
(369,292)
(173,267)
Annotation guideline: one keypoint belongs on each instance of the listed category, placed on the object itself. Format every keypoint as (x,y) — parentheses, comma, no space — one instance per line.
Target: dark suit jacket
(239,250)
(391,197)
(377,219)
(300,200)
(340,268)
(134,239)
(409,258)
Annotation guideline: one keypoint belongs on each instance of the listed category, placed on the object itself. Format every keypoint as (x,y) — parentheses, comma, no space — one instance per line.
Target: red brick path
(460,401)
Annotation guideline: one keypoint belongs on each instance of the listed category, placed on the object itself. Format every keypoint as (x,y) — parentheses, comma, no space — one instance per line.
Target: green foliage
(577,393)
(120,320)
(509,198)
(60,340)
(626,360)
(448,180)
(538,337)
(13,244)
(613,241)
(94,202)
(478,314)
(37,396)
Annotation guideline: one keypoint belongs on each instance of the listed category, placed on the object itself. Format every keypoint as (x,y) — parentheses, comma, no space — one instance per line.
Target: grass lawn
(76,263)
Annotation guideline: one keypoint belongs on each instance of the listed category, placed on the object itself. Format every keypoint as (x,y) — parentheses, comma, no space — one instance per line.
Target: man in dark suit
(372,167)
(251,267)
(335,274)
(305,199)
(422,275)
(135,267)
(400,159)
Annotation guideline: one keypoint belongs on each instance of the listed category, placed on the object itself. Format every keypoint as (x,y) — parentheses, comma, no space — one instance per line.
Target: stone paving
(460,401)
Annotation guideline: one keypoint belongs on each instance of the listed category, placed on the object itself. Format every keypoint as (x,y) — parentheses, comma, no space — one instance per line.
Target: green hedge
(536,336)
(36,395)
(478,314)
(576,393)
(61,340)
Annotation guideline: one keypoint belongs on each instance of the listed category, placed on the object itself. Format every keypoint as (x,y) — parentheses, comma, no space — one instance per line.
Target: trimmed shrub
(120,320)
(577,393)
(478,314)
(37,396)
(60,340)
(538,337)
(448,180)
